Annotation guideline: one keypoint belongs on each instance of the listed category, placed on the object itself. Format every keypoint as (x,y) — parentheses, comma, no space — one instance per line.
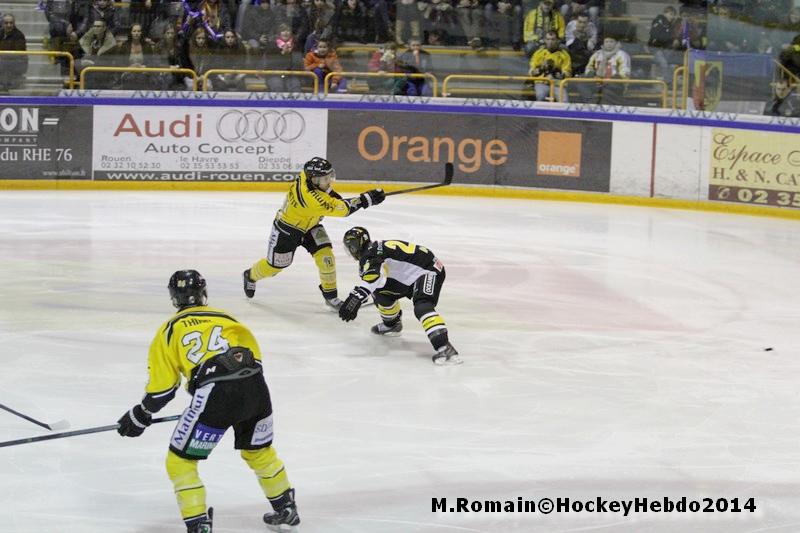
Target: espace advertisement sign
(143,143)
(45,142)
(486,149)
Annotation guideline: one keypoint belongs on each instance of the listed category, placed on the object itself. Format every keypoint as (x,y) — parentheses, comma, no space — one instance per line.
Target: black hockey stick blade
(77,432)
(448,179)
(61,424)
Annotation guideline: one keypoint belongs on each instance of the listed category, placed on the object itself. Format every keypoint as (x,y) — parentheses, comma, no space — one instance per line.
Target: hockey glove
(349,309)
(372,197)
(134,422)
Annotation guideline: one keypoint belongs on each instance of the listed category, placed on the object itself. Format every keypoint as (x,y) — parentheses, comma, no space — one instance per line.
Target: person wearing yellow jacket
(550,61)
(538,22)
(299,223)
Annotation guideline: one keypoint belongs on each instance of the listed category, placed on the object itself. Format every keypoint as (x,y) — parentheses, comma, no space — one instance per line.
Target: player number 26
(216,343)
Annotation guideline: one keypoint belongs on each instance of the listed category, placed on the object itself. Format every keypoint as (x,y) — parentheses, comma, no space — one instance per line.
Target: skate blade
(390,334)
(448,361)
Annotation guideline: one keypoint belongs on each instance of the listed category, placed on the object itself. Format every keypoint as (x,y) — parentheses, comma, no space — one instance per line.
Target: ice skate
(201,525)
(285,517)
(447,355)
(388,331)
(249,284)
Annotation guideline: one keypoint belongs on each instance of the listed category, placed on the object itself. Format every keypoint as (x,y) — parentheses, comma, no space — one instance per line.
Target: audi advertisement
(143,143)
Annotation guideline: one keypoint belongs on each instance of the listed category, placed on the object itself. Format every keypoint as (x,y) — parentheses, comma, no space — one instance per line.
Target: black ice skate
(285,517)
(249,284)
(447,355)
(388,331)
(202,524)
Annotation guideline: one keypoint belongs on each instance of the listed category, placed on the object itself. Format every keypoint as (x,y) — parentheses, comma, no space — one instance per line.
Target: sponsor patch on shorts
(203,440)
(282,260)
(262,433)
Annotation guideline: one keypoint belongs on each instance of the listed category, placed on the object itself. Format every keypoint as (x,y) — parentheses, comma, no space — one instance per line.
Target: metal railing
(150,70)
(427,76)
(676,74)
(299,73)
(787,74)
(51,53)
(614,81)
(483,90)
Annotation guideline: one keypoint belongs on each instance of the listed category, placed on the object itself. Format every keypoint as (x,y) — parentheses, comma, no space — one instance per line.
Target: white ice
(610,351)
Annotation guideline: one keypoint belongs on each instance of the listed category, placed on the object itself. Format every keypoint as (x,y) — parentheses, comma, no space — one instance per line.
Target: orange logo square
(559,154)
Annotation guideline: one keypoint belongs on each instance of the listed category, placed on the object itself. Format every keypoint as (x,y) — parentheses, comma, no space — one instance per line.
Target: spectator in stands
(135,51)
(408,21)
(725,34)
(470,17)
(283,53)
(572,8)
(200,55)
(664,42)
(230,54)
(415,60)
(440,22)
(610,62)
(104,10)
(169,15)
(538,22)
(552,62)
(63,37)
(322,61)
(792,21)
(144,12)
(321,15)
(384,60)
(98,45)
(790,57)
(12,68)
(291,13)
(503,23)
(378,13)
(259,24)
(583,26)
(692,29)
(169,52)
(351,22)
(581,44)
(784,102)
(216,16)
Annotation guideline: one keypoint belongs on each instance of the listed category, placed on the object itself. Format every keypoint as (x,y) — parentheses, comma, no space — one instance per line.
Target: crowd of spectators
(561,39)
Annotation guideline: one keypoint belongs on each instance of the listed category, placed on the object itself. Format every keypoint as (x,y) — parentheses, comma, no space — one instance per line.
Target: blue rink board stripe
(383,106)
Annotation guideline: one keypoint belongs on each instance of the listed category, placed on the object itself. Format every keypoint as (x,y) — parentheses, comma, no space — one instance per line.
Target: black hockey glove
(134,422)
(372,197)
(349,308)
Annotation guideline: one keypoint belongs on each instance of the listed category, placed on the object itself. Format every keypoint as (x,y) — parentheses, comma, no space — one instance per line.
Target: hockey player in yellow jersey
(221,362)
(391,270)
(298,223)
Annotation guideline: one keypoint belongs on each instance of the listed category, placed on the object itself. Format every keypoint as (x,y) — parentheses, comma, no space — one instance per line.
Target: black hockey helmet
(356,240)
(317,169)
(187,288)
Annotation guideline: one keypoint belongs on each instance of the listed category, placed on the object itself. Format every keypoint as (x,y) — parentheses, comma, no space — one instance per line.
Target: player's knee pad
(262,269)
(269,469)
(189,489)
(422,307)
(326,264)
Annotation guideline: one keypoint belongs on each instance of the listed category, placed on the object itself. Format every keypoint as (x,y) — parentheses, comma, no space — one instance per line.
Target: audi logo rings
(266,126)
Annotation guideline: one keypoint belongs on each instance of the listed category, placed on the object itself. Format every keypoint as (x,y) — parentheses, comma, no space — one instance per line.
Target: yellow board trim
(451,190)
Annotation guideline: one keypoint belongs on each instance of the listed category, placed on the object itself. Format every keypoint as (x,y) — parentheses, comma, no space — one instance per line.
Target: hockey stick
(448,179)
(61,424)
(78,432)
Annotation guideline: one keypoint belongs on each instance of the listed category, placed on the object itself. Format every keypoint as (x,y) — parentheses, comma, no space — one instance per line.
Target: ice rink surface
(610,351)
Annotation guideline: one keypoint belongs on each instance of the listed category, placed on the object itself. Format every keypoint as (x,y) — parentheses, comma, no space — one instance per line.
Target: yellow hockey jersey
(191,336)
(303,208)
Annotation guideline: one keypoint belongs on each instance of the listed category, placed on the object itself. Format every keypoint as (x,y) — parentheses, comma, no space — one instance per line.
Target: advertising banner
(754,167)
(485,149)
(45,142)
(194,143)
